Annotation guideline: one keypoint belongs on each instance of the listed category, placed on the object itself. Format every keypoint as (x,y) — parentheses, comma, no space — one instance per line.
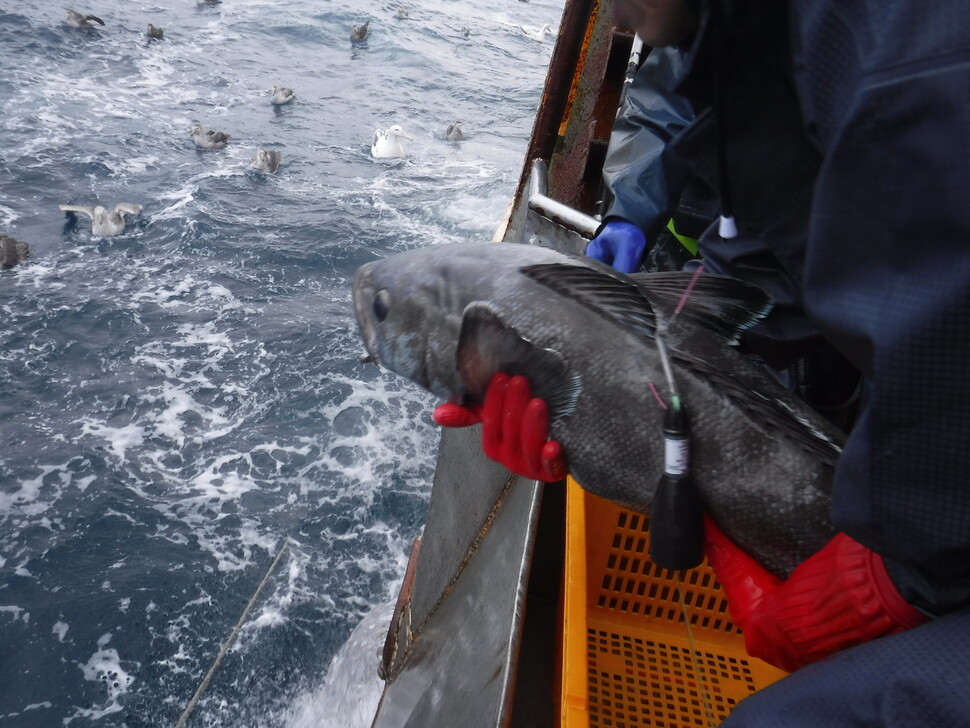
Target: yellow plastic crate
(628,657)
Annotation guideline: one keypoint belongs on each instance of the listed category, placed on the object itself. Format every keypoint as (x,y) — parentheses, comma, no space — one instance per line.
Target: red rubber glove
(515,428)
(839,597)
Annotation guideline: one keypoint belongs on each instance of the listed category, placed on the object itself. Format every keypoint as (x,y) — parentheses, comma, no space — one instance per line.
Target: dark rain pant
(915,679)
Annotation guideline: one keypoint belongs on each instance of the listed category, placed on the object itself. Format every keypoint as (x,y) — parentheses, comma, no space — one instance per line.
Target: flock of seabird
(386,145)
(105,222)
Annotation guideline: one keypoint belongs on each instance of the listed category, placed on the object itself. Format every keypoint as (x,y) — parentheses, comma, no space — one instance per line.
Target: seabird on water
(157,33)
(105,222)
(207,138)
(537,34)
(454,132)
(12,251)
(281,95)
(359,32)
(267,160)
(76,20)
(387,144)
(402,14)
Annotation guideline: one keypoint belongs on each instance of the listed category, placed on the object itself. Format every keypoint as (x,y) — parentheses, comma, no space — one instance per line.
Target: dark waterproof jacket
(846,148)
(885,87)
(840,132)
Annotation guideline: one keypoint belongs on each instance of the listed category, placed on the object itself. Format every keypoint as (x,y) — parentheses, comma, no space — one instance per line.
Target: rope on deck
(231,639)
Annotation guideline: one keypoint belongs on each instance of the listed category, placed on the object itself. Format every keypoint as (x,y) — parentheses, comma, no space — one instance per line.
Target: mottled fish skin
(449,316)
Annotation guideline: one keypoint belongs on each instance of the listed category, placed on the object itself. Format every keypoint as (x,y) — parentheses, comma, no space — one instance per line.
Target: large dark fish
(448,317)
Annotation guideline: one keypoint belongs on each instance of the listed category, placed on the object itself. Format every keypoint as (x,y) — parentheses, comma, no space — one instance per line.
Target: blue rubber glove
(619,244)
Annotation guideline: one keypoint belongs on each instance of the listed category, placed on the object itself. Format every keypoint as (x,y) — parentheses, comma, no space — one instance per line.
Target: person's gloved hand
(619,244)
(839,597)
(515,428)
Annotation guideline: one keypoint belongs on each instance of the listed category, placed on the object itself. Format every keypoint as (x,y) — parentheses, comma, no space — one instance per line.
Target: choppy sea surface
(179,401)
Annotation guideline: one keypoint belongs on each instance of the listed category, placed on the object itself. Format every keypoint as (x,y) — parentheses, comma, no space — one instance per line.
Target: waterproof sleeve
(887,274)
(642,174)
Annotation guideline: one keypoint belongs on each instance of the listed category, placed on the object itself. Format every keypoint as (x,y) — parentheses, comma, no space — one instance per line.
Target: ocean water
(179,402)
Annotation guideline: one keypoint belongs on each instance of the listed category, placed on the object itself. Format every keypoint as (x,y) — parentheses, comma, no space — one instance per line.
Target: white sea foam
(352,688)
(17,613)
(105,667)
(30,499)
(119,439)
(7,216)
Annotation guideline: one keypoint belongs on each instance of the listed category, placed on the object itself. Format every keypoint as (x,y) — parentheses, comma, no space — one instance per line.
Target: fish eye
(382,304)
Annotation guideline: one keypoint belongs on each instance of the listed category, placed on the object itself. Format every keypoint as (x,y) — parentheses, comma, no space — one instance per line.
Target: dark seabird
(76,20)
(267,160)
(157,33)
(454,132)
(359,32)
(207,138)
(12,251)
(106,222)
(281,95)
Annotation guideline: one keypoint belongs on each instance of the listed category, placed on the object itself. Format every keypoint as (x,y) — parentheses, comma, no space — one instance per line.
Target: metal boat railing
(558,212)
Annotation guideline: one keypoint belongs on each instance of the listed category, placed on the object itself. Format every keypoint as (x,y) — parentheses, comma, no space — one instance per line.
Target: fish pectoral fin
(487,345)
(723,305)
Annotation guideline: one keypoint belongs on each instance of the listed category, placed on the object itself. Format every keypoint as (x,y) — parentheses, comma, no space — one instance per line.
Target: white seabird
(387,144)
(454,132)
(105,222)
(537,33)
(207,138)
(76,20)
(359,32)
(267,160)
(281,95)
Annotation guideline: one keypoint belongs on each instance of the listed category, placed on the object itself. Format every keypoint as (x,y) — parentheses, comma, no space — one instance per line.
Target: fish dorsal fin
(611,296)
(719,304)
(488,345)
(727,306)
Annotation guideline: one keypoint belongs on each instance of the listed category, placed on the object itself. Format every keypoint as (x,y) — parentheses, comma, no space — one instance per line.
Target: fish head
(446,317)
(410,321)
